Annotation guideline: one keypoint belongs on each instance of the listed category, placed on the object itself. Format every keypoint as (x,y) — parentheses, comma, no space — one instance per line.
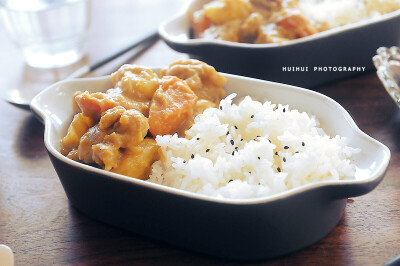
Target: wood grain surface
(40,226)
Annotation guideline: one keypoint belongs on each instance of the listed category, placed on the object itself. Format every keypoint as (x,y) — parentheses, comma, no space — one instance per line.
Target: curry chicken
(252,21)
(115,130)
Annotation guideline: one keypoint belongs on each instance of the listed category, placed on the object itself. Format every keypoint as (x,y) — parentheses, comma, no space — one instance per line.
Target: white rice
(337,13)
(242,163)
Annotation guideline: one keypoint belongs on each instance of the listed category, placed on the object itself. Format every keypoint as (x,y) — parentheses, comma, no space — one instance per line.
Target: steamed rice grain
(335,13)
(250,150)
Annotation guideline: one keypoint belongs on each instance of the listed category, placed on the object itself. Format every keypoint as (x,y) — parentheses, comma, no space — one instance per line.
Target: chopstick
(144,41)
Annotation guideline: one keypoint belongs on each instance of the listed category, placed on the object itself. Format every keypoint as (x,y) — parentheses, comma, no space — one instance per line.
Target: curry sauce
(115,130)
(252,21)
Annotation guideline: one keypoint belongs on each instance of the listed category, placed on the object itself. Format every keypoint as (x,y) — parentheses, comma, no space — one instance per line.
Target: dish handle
(371,166)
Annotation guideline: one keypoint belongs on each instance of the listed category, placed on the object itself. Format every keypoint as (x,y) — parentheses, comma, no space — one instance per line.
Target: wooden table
(39,224)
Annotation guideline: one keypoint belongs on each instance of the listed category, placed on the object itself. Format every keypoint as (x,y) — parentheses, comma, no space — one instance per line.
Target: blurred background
(112,27)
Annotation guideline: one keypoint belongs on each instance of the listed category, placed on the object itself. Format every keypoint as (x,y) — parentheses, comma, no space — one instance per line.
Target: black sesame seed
(184,161)
(296,152)
(233,153)
(276,153)
(252,116)
(279,169)
(227,132)
(284,110)
(230,180)
(269,141)
(198,138)
(286,147)
(232,142)
(236,127)
(303,144)
(249,172)
(241,139)
(220,107)
(284,159)
(258,157)
(192,156)
(207,150)
(236,148)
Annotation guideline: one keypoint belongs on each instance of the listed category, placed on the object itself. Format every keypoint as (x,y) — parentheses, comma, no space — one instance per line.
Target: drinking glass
(50,33)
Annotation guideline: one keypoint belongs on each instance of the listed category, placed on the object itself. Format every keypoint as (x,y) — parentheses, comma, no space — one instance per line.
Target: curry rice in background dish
(305,43)
(178,130)
(277,21)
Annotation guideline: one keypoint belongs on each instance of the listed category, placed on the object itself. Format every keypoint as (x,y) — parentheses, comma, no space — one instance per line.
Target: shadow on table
(29,143)
(394,134)
(95,242)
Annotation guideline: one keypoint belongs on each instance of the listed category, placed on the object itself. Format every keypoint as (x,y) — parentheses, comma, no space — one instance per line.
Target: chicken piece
(92,137)
(79,126)
(136,161)
(222,11)
(272,5)
(202,78)
(110,117)
(73,155)
(228,31)
(132,128)
(97,133)
(136,82)
(266,7)
(134,88)
(107,154)
(128,130)
(250,28)
(296,23)
(171,106)
(271,33)
(117,129)
(94,104)
(199,23)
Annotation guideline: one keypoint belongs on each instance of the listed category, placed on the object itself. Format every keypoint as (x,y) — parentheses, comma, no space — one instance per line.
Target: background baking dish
(352,45)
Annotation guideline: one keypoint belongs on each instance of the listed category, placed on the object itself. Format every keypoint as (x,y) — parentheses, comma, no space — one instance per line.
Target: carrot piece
(170,106)
(200,23)
(93,104)
(297,24)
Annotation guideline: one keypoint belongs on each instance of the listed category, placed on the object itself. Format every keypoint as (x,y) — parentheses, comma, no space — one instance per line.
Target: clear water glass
(50,33)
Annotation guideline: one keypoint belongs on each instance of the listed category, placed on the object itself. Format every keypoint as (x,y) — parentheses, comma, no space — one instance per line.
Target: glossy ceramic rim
(382,64)
(199,42)
(45,116)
